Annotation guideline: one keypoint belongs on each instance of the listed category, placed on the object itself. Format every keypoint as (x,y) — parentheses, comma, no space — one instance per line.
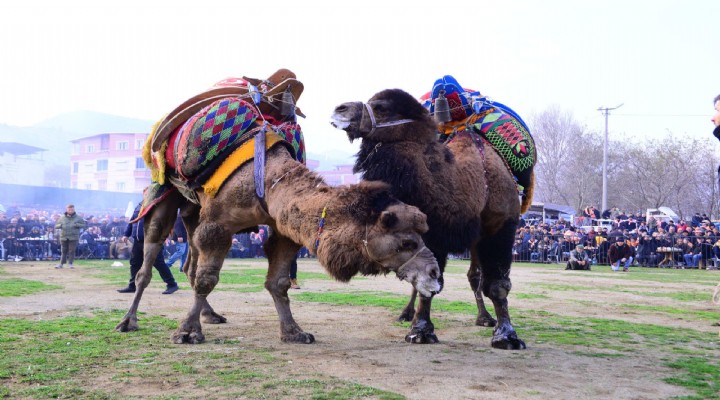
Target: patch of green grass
(62,358)
(387,300)
(561,288)
(699,374)
(599,354)
(528,296)
(684,312)
(16,287)
(694,296)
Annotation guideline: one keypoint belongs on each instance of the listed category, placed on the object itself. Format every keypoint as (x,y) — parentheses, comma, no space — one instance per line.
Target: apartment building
(109,162)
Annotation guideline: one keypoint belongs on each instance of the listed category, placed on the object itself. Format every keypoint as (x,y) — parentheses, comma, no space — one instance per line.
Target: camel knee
(279,285)
(498,289)
(212,237)
(205,283)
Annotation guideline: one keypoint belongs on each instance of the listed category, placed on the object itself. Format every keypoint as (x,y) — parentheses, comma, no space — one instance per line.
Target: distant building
(21,164)
(109,162)
(341,175)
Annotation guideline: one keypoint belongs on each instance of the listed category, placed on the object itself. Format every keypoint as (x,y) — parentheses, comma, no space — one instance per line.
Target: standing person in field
(136,230)
(69,224)
(179,237)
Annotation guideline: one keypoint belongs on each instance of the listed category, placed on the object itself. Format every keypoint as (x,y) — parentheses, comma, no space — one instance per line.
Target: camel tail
(528,195)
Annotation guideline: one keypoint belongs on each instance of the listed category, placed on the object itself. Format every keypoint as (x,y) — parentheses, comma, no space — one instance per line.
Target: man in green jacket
(69,224)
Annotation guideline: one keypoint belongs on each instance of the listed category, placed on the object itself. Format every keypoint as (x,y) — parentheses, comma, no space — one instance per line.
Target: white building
(21,164)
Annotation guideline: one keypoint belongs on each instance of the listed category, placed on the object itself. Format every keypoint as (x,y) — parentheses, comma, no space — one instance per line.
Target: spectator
(293,274)
(178,236)
(69,224)
(579,259)
(647,250)
(136,231)
(256,243)
(620,254)
(544,247)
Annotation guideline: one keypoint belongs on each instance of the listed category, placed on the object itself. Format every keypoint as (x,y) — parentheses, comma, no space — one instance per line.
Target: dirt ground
(363,345)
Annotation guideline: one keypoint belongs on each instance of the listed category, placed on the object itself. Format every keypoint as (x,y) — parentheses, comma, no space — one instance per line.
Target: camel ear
(420,222)
(388,219)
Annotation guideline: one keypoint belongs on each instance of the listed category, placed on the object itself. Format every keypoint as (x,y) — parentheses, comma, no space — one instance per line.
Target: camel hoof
(189,338)
(301,337)
(486,321)
(407,315)
(422,338)
(508,342)
(213,318)
(127,325)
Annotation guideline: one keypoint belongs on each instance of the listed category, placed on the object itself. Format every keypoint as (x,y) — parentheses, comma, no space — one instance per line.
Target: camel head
(394,243)
(383,117)
(380,235)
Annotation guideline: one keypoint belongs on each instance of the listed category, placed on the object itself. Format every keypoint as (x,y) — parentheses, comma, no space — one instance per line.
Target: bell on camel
(287,107)
(442,108)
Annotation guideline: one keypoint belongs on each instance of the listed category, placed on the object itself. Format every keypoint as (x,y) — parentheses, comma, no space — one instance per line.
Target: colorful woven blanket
(497,123)
(210,132)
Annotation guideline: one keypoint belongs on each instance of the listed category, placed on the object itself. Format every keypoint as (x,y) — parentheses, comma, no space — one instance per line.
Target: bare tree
(563,145)
(675,171)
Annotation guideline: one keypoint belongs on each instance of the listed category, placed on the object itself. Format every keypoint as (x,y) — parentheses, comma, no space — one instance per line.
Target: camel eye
(407,245)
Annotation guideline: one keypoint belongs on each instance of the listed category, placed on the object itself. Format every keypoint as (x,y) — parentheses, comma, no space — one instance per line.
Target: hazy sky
(660,58)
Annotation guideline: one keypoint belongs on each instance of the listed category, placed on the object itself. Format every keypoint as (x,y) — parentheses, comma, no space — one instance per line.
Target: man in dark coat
(620,254)
(69,224)
(137,232)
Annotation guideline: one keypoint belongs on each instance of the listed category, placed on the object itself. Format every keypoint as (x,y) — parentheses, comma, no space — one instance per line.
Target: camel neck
(296,198)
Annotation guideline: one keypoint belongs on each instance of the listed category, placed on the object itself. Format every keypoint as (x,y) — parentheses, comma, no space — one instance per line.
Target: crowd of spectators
(30,234)
(657,242)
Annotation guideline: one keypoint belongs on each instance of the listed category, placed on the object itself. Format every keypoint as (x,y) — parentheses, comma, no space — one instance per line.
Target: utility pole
(606,111)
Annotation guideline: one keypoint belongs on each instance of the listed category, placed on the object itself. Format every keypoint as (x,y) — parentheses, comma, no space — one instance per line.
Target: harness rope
(375,125)
(367,250)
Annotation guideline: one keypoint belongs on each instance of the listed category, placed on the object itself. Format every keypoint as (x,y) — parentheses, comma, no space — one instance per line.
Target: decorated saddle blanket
(204,151)
(495,122)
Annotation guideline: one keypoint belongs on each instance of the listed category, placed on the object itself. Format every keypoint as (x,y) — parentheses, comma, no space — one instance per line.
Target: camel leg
(474,276)
(280,252)
(213,242)
(423,330)
(495,256)
(408,313)
(190,217)
(158,224)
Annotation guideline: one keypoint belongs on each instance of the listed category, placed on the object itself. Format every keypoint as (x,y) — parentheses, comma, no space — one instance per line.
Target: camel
(353,229)
(469,196)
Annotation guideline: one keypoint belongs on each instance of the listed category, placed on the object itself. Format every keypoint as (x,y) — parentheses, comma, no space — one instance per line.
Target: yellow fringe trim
(240,156)
(155,161)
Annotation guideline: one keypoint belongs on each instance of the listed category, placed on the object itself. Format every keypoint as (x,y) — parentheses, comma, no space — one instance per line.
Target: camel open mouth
(428,287)
(340,122)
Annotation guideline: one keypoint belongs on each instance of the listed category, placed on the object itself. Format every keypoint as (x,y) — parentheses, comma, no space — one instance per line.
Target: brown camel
(365,231)
(468,194)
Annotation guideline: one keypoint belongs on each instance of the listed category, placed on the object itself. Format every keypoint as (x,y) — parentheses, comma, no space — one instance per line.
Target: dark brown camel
(469,196)
(365,231)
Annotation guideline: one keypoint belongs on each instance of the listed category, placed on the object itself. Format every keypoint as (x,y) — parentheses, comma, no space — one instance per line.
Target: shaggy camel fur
(366,231)
(469,196)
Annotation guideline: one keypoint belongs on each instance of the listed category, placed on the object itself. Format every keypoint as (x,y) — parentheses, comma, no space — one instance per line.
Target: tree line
(671,171)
